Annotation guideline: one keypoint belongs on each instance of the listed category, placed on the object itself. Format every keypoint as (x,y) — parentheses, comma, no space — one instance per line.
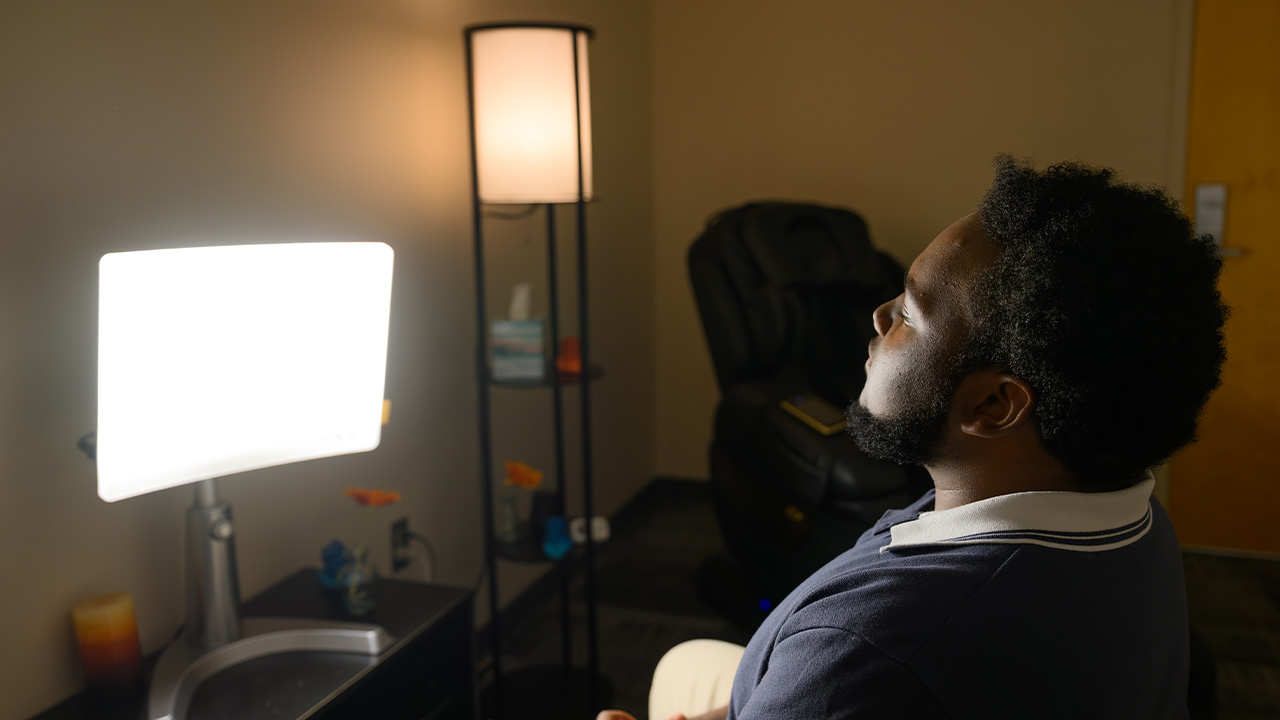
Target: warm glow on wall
(532,114)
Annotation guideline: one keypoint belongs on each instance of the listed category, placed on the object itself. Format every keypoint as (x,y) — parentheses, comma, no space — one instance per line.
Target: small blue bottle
(555,541)
(333,557)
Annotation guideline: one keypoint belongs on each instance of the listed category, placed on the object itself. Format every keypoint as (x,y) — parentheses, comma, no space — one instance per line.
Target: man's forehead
(954,258)
(963,239)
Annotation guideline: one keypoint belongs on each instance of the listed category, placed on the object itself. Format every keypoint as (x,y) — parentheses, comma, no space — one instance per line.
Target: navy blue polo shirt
(1030,605)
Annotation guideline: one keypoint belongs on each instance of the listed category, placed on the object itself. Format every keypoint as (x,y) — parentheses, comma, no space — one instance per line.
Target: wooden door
(1224,491)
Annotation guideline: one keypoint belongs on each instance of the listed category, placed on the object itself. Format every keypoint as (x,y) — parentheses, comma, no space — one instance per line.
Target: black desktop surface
(429,668)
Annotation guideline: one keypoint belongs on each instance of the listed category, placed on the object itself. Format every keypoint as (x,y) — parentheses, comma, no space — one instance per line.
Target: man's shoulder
(899,599)
(895,600)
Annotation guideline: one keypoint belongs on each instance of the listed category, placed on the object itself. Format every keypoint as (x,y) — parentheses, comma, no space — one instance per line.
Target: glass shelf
(596,373)
(526,549)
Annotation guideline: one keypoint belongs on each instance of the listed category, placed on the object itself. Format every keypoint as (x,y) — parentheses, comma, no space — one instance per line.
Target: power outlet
(399,544)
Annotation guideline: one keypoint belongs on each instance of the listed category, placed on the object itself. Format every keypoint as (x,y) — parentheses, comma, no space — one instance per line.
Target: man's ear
(993,403)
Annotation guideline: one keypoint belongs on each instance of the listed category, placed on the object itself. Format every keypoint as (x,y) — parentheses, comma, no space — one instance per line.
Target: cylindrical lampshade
(531,113)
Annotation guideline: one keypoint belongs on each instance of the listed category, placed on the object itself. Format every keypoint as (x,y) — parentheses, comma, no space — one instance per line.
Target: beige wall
(136,123)
(127,124)
(895,109)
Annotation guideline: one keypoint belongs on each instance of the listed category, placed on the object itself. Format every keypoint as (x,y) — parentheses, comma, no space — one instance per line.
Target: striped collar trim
(1083,522)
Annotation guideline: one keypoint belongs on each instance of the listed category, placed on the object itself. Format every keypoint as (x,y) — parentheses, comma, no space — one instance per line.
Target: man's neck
(963,483)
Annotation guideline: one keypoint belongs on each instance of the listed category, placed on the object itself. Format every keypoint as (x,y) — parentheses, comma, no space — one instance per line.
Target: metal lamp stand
(215,637)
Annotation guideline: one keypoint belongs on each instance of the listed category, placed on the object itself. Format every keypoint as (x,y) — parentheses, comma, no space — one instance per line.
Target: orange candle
(107,635)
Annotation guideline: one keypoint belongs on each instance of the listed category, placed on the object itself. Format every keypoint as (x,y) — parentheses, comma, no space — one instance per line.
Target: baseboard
(1231,552)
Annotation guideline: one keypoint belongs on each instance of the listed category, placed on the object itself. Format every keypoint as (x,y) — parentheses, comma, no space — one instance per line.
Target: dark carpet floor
(666,545)
(647,578)
(1234,604)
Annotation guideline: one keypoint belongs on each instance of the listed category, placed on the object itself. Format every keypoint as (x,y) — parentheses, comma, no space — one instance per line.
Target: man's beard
(913,436)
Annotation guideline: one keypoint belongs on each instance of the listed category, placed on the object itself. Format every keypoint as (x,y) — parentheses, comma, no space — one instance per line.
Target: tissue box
(519,349)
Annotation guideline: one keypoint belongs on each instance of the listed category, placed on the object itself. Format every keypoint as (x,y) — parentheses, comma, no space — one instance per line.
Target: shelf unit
(560,379)
(532,78)
(528,548)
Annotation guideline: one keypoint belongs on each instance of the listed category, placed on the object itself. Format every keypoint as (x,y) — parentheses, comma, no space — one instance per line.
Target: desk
(428,673)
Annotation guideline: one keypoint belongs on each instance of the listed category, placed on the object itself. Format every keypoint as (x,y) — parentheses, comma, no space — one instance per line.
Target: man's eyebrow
(910,284)
(919,300)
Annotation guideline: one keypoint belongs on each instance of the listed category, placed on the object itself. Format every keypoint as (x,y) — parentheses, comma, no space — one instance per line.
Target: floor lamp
(529,103)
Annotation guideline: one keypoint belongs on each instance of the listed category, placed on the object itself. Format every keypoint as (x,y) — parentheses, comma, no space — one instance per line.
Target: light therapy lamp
(218,360)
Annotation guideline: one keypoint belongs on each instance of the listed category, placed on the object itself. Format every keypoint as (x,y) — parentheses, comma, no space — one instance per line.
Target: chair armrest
(806,466)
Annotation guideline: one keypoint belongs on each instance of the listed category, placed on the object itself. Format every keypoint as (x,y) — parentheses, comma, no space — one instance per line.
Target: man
(1048,351)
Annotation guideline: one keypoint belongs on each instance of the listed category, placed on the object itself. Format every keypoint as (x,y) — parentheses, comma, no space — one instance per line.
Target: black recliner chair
(785,292)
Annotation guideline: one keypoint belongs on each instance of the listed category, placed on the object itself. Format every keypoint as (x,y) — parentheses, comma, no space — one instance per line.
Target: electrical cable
(420,557)
(431,553)
(512,216)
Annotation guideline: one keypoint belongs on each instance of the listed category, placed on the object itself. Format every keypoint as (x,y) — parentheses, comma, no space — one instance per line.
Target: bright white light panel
(218,360)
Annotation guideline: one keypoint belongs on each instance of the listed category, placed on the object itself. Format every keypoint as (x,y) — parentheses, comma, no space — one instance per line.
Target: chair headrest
(796,244)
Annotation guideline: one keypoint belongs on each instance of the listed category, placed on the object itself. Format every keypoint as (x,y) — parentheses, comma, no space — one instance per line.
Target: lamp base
(183,666)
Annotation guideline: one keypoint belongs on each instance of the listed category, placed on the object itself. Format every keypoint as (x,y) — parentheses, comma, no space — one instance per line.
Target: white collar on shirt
(1084,522)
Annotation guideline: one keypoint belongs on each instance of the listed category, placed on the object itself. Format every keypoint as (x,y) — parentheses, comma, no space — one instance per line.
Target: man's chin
(909,440)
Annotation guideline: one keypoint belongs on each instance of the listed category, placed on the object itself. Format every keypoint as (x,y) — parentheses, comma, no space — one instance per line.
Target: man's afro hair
(1103,298)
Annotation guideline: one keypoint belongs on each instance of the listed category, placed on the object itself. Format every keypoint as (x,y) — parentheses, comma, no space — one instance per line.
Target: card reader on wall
(1211,215)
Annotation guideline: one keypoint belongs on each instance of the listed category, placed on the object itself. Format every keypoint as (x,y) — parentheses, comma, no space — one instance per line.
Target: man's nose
(882,319)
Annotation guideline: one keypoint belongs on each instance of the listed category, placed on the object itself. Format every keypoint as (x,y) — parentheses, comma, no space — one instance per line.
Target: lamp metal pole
(593,650)
(482,391)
